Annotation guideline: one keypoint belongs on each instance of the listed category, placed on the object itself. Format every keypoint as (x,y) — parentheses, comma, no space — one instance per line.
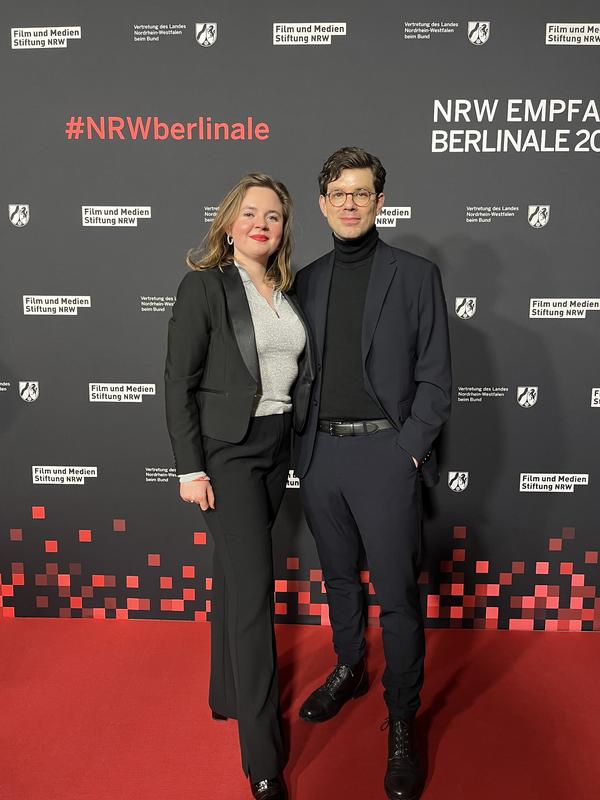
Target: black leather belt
(354,427)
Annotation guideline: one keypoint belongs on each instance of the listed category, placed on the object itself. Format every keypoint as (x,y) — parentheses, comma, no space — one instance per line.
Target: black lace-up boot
(346,681)
(404,777)
(269,789)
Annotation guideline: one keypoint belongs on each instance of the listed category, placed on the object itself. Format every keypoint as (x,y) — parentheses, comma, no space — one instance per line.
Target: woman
(237,345)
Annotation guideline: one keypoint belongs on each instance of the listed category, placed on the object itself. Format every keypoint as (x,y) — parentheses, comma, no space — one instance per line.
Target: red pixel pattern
(471,593)
(555,594)
(99,596)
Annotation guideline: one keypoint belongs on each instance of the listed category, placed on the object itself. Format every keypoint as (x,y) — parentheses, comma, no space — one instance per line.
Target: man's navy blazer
(405,350)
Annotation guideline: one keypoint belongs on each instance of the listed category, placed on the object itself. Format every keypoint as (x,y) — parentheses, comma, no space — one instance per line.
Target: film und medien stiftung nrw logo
(206,33)
(59,474)
(118,216)
(552,481)
(465,307)
(29,391)
(43,38)
(527,396)
(120,392)
(388,216)
(478,32)
(538,216)
(307,33)
(18,214)
(573,33)
(53,304)
(458,481)
(595,401)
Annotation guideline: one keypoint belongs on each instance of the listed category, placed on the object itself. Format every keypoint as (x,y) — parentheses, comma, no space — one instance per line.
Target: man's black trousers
(367,488)
(249,481)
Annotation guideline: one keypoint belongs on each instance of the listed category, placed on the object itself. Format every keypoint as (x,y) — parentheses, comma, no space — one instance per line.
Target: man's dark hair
(351,158)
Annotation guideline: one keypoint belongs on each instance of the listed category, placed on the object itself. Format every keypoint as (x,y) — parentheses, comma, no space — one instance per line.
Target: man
(378,319)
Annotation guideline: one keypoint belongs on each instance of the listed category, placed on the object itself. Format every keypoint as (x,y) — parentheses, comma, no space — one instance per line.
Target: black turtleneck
(343,394)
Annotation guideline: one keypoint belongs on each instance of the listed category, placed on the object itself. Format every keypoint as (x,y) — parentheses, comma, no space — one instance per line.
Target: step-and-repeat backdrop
(124,124)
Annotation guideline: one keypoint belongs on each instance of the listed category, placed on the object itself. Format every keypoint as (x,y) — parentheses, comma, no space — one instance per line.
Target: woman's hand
(198,491)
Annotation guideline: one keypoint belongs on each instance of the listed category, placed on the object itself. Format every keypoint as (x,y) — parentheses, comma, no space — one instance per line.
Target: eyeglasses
(362,197)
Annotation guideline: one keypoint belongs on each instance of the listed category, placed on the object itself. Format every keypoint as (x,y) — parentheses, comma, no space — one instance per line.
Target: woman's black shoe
(219,717)
(270,789)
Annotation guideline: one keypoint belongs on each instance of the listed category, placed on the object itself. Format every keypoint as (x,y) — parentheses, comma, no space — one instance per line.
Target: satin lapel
(241,319)
(294,303)
(320,293)
(383,270)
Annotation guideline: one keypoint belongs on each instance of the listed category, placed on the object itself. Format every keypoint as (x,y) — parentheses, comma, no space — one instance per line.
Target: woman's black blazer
(212,376)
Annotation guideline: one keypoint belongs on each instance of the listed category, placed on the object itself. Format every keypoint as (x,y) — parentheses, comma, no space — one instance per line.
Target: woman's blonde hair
(215,250)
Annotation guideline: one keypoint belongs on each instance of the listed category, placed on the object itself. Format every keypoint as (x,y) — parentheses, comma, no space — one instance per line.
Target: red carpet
(117,710)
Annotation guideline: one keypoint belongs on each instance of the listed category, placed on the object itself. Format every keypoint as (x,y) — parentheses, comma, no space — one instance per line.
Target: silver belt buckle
(332,424)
